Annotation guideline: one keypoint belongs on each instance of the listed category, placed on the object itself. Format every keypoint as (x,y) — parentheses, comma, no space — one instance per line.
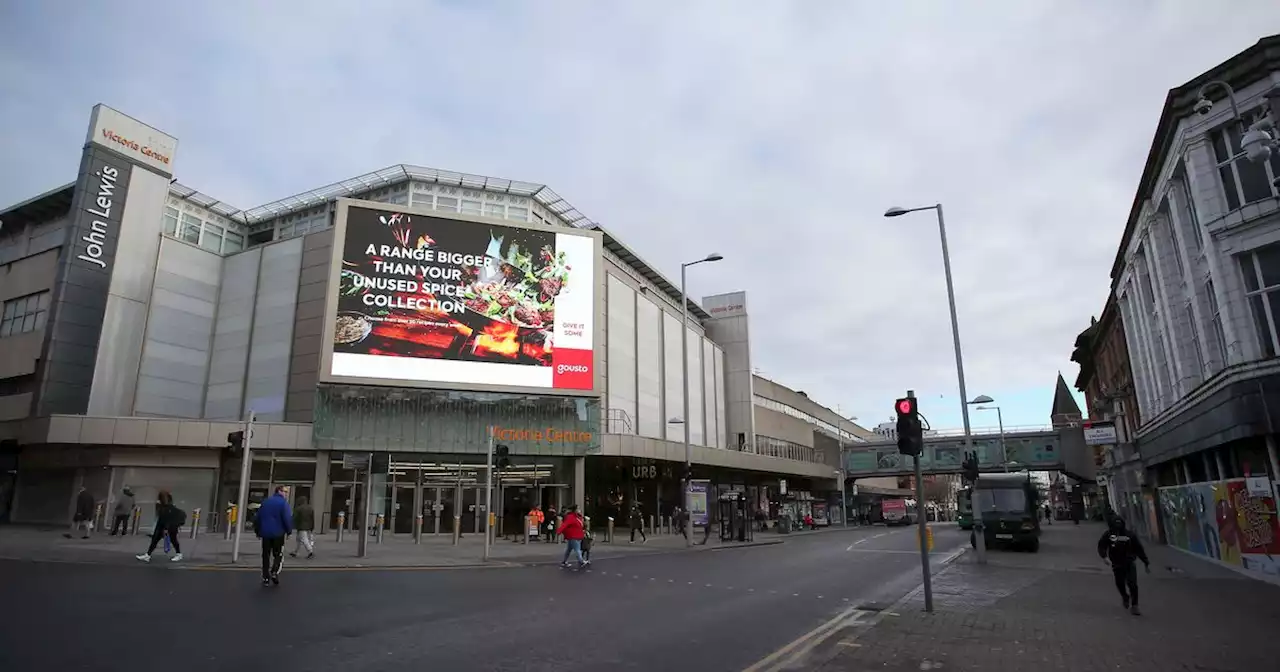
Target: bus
(894,512)
(1009,509)
(964,508)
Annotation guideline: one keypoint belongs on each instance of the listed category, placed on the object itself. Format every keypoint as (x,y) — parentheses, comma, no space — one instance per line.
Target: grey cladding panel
(232,336)
(277,296)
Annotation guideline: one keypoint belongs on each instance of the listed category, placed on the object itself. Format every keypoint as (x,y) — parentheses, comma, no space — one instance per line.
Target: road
(705,611)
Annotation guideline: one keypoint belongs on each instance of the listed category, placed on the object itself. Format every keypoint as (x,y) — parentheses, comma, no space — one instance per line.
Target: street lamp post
(1004,454)
(955,337)
(1258,140)
(684,373)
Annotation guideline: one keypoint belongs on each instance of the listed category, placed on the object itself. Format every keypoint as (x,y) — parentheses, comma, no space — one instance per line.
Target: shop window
(190,230)
(1243,181)
(170,220)
(234,242)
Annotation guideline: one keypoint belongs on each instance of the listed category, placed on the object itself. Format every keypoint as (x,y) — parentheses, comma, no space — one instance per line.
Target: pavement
(212,550)
(1058,610)
(720,609)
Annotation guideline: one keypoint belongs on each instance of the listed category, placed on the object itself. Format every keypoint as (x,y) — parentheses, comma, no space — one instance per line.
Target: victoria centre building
(393,324)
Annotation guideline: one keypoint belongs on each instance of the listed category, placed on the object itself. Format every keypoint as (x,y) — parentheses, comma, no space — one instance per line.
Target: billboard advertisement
(425,300)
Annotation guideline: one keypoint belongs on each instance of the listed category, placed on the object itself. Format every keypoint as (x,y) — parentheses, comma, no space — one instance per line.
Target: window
(190,230)
(787,450)
(518,214)
(446,203)
(234,243)
(788,409)
(496,210)
(1218,335)
(24,314)
(1261,272)
(212,238)
(470,207)
(1243,181)
(1195,338)
(170,220)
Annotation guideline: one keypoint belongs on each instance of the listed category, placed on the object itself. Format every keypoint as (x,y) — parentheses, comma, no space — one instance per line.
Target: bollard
(528,525)
(195,522)
(342,524)
(457,529)
(137,518)
(608,534)
(417,529)
(651,528)
(98,513)
(667,524)
(378,521)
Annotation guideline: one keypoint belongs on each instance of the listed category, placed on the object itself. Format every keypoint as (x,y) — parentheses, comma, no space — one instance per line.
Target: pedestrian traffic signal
(910,431)
(502,451)
(235,441)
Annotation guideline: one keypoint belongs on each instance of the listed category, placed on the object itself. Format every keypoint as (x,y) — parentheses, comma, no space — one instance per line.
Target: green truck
(1009,509)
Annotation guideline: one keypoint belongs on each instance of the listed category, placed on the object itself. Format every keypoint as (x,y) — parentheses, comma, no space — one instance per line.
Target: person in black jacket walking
(168,519)
(1120,548)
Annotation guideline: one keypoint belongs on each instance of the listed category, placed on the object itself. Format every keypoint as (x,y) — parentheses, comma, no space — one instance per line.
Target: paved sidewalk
(1059,610)
(210,550)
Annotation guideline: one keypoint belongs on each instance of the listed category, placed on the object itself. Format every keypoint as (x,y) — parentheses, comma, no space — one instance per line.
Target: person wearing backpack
(168,519)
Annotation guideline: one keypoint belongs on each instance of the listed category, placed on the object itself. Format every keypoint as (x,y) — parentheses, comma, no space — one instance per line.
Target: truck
(1007,504)
(894,512)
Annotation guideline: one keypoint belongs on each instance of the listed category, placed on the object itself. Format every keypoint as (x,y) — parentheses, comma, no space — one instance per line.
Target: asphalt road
(706,611)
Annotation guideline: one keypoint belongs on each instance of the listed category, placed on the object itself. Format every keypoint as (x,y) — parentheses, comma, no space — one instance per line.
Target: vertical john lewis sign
(102,205)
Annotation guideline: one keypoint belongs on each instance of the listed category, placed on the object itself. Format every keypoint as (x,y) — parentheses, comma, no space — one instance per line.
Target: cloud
(774,133)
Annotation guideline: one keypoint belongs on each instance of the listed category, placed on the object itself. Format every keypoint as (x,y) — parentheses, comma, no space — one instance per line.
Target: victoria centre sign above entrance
(440,300)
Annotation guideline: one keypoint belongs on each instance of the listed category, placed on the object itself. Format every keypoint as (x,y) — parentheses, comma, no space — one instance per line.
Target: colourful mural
(1221,520)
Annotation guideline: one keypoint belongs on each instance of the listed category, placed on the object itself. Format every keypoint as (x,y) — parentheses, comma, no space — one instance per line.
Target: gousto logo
(572,368)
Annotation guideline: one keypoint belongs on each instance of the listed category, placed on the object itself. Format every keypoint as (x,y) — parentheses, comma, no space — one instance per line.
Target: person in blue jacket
(274,523)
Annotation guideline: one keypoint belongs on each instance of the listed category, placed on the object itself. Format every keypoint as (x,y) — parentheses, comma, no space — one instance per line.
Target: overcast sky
(775,133)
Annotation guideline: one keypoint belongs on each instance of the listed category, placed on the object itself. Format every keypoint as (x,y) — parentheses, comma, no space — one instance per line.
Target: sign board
(698,502)
(356,461)
(1258,486)
(425,299)
(733,304)
(1099,433)
(132,138)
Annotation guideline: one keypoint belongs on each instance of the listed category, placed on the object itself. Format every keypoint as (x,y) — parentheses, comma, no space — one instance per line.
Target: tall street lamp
(684,373)
(951,302)
(988,401)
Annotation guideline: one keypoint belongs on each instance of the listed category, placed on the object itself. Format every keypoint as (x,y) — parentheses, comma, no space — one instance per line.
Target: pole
(964,395)
(922,522)
(684,374)
(844,506)
(245,459)
(1004,454)
(362,546)
(488,496)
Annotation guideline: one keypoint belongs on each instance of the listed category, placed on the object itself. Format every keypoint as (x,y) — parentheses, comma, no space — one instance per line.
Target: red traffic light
(906,406)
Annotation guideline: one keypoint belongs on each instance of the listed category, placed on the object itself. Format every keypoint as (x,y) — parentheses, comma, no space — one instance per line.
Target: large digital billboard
(425,300)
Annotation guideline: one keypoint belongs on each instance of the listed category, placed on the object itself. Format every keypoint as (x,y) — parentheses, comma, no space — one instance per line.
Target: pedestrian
(573,530)
(122,512)
(551,524)
(83,518)
(304,523)
(168,519)
(636,522)
(274,523)
(1119,548)
(587,540)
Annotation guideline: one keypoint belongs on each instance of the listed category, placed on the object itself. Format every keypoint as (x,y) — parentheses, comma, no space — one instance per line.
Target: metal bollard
(378,521)
(137,519)
(651,528)
(417,529)
(342,524)
(608,534)
(666,524)
(195,523)
(98,514)
(231,522)
(457,529)
(528,524)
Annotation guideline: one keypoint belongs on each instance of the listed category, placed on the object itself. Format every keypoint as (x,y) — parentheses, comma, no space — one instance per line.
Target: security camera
(1203,106)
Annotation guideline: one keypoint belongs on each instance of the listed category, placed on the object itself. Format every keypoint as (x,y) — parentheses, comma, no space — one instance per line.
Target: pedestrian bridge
(1035,450)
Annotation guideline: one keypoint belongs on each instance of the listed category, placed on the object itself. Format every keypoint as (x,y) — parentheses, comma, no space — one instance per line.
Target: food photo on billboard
(431,299)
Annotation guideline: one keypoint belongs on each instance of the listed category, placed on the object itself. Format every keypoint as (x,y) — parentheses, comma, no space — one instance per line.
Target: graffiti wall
(1221,520)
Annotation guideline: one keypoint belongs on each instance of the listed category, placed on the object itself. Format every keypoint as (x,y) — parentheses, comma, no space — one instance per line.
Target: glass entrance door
(402,509)
(432,510)
(470,510)
(348,498)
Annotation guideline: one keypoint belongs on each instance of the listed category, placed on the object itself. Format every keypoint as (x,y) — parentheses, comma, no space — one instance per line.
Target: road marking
(855,544)
(781,658)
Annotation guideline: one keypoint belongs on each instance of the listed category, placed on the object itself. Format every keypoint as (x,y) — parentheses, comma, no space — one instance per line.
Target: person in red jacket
(571,528)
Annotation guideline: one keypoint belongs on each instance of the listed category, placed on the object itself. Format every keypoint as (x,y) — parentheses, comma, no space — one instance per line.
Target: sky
(774,133)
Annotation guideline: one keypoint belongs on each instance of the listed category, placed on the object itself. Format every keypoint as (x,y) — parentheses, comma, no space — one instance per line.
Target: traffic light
(235,441)
(502,452)
(910,431)
(969,467)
